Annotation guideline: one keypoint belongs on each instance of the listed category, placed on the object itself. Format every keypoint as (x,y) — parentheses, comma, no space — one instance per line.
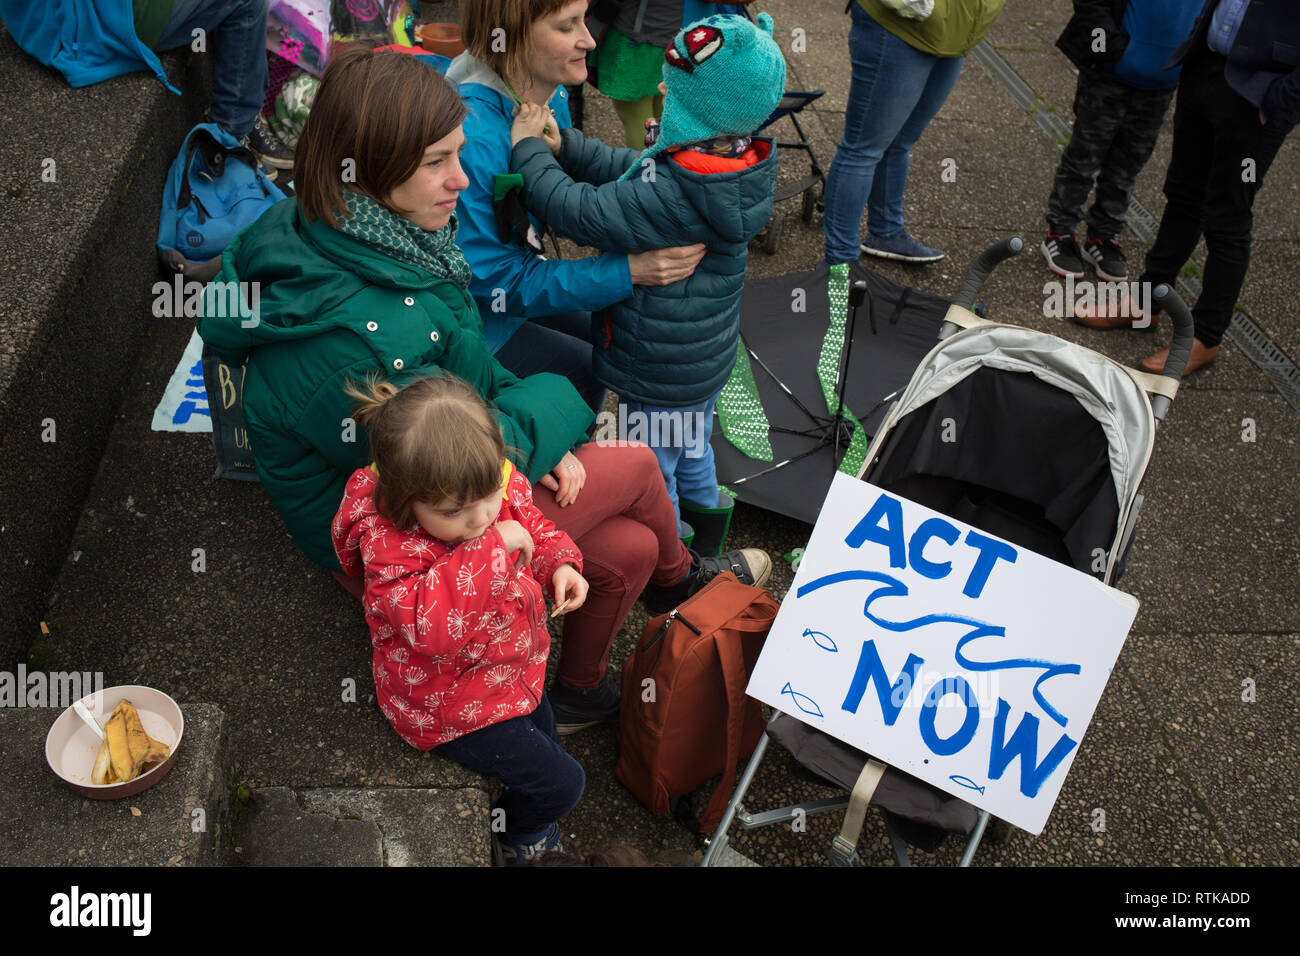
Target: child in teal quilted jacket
(703,177)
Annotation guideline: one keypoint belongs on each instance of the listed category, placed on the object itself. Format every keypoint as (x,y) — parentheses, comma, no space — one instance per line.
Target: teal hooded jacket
(309,309)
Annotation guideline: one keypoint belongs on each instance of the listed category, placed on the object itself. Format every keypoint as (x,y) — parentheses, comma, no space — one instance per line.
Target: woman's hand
(517,538)
(569,586)
(534,120)
(665,266)
(565,479)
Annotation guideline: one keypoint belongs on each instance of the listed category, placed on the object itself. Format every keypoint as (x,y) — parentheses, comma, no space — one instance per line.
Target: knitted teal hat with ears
(724,77)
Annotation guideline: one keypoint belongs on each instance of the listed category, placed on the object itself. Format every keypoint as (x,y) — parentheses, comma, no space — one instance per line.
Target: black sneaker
(749,565)
(268,147)
(1107,258)
(577,708)
(1062,255)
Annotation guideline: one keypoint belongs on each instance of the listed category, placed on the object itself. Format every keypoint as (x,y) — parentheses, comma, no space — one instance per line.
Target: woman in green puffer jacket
(360,277)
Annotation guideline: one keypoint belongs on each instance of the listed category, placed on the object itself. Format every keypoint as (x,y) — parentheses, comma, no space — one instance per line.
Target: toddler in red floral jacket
(456,560)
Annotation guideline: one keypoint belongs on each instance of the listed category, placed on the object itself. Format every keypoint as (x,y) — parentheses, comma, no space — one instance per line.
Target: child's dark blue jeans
(542,782)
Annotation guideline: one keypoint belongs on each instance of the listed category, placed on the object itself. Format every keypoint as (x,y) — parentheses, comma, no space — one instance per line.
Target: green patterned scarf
(435,252)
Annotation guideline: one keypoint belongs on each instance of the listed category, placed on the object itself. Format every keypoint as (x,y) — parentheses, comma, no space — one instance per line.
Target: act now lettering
(935,549)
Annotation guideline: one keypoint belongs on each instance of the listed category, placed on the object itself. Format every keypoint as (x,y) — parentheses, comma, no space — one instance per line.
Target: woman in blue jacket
(536,311)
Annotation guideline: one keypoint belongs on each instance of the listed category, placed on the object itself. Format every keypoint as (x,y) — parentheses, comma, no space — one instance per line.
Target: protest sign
(187,406)
(184,403)
(952,655)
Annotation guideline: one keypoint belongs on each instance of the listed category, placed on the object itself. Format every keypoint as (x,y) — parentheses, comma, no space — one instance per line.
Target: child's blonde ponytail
(371,398)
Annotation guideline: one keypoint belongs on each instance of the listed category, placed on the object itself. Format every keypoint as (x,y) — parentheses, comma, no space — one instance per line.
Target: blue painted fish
(966,782)
(821,640)
(803,701)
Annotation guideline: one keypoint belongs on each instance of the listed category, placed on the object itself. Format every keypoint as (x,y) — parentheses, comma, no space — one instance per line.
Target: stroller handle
(1165,299)
(988,260)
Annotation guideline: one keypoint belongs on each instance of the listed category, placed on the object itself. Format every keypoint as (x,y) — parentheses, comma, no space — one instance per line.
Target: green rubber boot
(711,524)
(685,532)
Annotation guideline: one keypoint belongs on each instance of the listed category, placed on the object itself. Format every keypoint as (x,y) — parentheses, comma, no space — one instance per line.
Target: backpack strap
(731,657)
(733,676)
(214,155)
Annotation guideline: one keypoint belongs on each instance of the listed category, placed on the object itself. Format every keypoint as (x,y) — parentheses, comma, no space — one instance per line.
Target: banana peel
(127,750)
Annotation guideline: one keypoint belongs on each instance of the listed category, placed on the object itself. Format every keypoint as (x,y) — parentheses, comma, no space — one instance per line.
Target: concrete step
(180,821)
(350,826)
(81,174)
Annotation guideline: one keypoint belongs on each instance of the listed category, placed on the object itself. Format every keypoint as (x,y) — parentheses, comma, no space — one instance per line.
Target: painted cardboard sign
(952,655)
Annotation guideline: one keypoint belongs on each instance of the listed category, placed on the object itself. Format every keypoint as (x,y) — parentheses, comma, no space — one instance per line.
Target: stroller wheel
(809,206)
(772,234)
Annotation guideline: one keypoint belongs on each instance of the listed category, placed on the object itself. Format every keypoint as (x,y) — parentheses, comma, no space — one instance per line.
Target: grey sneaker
(901,247)
(267,145)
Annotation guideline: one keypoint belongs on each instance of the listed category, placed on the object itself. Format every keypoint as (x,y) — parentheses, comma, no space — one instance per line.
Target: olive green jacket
(952,29)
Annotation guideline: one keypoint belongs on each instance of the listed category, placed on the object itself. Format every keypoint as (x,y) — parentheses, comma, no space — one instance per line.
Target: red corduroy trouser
(624,524)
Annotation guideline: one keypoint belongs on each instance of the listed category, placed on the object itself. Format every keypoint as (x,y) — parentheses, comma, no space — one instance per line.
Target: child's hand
(517,538)
(551,133)
(533,120)
(569,586)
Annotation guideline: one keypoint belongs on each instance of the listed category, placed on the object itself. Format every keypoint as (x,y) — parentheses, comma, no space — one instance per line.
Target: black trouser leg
(1220,155)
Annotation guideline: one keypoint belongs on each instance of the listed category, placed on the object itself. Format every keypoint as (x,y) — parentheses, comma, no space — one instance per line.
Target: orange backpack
(685,717)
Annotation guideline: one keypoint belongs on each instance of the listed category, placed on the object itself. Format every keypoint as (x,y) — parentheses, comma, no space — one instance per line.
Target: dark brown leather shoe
(1123,316)
(1202,355)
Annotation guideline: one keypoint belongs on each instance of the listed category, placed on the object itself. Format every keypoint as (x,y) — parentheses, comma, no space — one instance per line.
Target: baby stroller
(1052,443)
(811,187)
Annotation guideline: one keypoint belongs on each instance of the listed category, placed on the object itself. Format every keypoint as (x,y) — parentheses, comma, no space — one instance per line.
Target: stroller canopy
(1026,435)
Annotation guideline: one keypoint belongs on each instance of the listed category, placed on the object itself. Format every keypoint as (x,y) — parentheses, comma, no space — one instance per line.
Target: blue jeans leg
(679,438)
(888,83)
(885,206)
(697,477)
(555,343)
(236,36)
(542,782)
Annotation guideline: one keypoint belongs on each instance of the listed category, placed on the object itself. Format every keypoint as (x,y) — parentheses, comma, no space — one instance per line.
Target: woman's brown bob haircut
(373,117)
(432,440)
(500,32)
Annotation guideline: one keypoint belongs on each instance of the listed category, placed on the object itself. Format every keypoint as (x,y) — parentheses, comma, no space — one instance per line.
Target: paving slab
(363,827)
(180,821)
(1215,545)
(1225,705)
(419,827)
(1270,292)
(969,174)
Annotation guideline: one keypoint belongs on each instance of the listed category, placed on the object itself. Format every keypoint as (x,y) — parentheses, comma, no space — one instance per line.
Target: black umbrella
(892,331)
